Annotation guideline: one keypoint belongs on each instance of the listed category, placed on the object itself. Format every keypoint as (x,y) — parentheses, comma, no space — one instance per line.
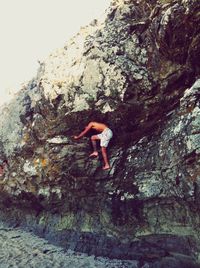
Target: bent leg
(94,145)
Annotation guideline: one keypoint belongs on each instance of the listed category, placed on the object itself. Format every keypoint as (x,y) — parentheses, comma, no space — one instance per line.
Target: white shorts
(105,137)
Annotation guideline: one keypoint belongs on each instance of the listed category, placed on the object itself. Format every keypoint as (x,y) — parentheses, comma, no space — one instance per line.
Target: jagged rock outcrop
(138,71)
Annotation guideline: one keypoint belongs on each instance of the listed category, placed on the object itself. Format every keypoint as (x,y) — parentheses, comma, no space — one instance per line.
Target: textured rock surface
(26,250)
(137,70)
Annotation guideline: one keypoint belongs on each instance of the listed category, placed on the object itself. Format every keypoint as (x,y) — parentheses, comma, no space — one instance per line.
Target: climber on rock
(105,134)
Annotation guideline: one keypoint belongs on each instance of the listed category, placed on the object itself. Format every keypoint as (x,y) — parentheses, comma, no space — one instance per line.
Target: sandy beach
(20,249)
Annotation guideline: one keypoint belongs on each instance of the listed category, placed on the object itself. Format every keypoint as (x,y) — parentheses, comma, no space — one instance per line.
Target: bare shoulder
(95,124)
(91,124)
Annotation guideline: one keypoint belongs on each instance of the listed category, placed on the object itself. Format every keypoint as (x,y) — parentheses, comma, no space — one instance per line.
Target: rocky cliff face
(138,71)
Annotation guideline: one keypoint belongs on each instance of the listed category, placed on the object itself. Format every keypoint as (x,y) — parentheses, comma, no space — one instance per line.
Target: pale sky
(31,29)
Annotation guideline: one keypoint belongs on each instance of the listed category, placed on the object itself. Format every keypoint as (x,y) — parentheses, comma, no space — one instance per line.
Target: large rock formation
(137,70)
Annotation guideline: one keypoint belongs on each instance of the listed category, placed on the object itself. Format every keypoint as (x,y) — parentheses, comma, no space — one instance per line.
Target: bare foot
(106,167)
(95,154)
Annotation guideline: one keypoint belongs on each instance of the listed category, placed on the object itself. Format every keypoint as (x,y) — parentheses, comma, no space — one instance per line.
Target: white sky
(31,29)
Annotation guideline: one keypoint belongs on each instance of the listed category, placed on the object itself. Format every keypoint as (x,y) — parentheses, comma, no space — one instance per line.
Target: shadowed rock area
(137,70)
(22,249)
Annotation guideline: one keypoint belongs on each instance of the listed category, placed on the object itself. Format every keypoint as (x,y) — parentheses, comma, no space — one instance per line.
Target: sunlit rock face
(136,70)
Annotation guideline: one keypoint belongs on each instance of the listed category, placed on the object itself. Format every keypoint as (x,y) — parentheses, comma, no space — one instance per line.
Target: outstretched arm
(87,128)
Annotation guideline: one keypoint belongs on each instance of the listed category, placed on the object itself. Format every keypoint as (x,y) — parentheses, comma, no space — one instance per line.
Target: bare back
(98,126)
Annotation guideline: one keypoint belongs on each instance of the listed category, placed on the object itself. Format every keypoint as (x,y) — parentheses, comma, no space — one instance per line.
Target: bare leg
(94,145)
(105,158)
